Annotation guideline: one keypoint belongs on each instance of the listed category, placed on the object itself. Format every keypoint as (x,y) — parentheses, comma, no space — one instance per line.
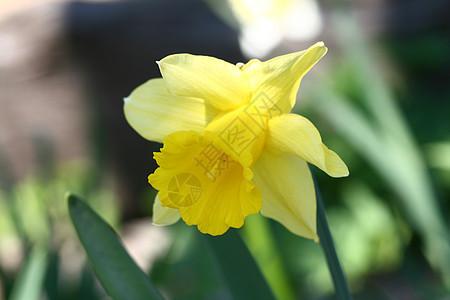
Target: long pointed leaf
(116,270)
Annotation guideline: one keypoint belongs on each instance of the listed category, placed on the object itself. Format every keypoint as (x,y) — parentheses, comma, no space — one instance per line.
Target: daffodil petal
(164,215)
(278,79)
(208,187)
(155,113)
(224,205)
(287,190)
(220,83)
(295,134)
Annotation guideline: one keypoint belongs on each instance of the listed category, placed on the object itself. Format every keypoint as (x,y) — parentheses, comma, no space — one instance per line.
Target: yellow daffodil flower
(231,146)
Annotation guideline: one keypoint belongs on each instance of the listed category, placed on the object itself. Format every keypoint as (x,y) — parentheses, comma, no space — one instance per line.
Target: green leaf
(29,284)
(238,268)
(116,270)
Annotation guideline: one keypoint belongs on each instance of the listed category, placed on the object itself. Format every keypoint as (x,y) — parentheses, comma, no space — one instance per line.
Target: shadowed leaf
(117,272)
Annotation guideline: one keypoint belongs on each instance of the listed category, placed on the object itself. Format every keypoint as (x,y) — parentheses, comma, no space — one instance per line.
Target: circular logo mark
(184,189)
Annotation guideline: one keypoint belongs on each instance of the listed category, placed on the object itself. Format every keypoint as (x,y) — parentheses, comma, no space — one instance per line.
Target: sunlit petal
(279,78)
(154,113)
(295,134)
(220,83)
(287,190)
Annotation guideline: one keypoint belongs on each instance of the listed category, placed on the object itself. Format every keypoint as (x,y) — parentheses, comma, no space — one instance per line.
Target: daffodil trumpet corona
(231,146)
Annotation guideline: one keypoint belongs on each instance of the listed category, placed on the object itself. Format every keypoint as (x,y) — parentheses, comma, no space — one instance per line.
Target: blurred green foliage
(390,198)
(37,241)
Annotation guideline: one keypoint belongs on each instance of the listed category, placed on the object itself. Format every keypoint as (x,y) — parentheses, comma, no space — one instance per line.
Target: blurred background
(380,98)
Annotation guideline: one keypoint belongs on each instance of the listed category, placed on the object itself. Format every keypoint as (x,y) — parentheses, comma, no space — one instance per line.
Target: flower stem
(340,282)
